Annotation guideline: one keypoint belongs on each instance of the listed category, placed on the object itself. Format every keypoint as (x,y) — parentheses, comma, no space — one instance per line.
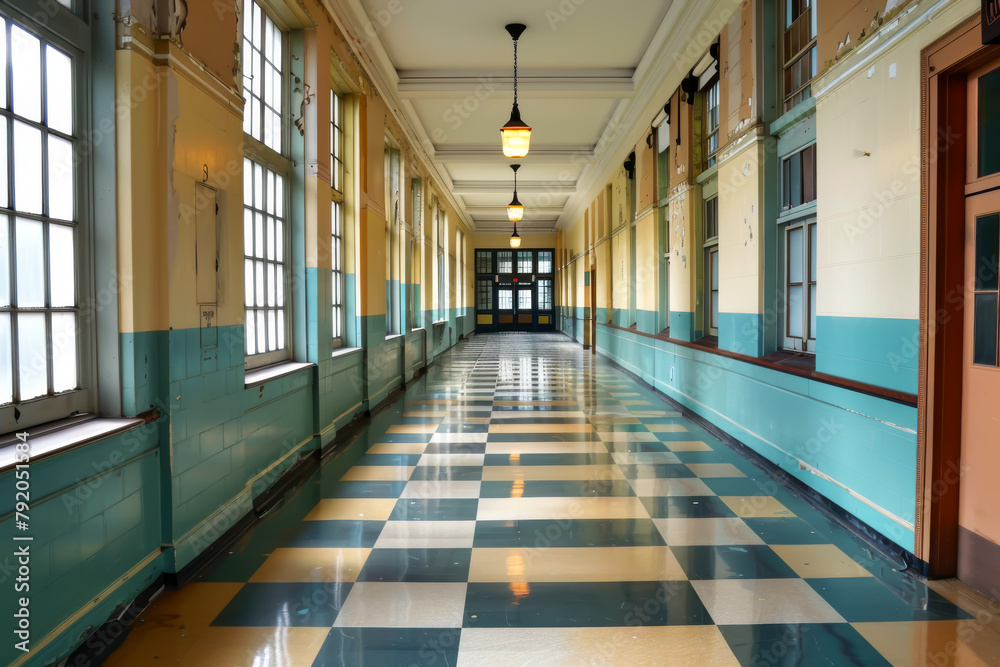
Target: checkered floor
(528,504)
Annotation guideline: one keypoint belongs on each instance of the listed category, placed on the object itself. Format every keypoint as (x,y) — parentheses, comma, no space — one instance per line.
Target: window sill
(782,361)
(800,111)
(344,351)
(797,212)
(47,440)
(394,336)
(439,323)
(261,376)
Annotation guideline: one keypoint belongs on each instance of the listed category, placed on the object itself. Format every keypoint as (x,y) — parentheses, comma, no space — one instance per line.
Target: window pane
(795,255)
(3,69)
(795,179)
(250,334)
(985,344)
(505,261)
(812,253)
(26,64)
(258,235)
(27,168)
(715,271)
(812,311)
(4,263)
(31,359)
(6,367)
(272,295)
(279,281)
(248,282)
(505,298)
(30,264)
(545,262)
(280,330)
(4,194)
(795,311)
(272,328)
(62,283)
(61,191)
(987,247)
(261,332)
(258,271)
(524,299)
(989,123)
(58,90)
(64,376)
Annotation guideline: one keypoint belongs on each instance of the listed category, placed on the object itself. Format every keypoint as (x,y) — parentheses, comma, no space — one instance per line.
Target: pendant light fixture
(515,135)
(515,211)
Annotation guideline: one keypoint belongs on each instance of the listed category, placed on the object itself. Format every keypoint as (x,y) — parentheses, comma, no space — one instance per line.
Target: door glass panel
(984,349)
(524,300)
(795,256)
(989,123)
(795,311)
(987,247)
(505,298)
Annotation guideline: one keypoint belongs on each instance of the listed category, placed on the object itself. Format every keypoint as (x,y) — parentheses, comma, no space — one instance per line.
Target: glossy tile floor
(527,504)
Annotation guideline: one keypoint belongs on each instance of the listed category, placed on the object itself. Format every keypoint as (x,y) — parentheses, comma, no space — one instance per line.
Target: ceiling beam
(491,153)
(523,187)
(581,84)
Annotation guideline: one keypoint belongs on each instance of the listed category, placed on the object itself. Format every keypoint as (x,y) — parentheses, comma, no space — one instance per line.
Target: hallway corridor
(526,503)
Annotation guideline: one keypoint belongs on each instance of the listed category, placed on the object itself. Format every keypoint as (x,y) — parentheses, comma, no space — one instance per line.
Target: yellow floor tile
(815,561)
(690,446)
(536,473)
(713,469)
(612,419)
(756,507)
(413,428)
(546,448)
(683,486)
(427,414)
(666,428)
(758,601)
(397,448)
(636,402)
(172,623)
(534,404)
(627,436)
(440,489)
(313,565)
(641,645)
(426,535)
(363,509)
(611,507)
(541,428)
(575,564)
(378,474)
(439,460)
(965,643)
(531,414)
(697,532)
(403,605)
(238,647)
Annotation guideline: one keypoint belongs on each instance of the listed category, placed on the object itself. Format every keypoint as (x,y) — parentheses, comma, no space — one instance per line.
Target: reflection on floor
(528,504)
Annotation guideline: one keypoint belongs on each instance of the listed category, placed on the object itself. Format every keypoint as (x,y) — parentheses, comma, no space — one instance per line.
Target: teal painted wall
(877,351)
(851,440)
(647,321)
(682,325)
(739,332)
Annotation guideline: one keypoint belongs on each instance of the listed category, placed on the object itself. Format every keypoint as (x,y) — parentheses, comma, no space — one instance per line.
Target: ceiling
(591,77)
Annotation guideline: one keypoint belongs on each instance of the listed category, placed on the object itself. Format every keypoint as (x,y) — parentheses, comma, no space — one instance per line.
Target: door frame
(945,66)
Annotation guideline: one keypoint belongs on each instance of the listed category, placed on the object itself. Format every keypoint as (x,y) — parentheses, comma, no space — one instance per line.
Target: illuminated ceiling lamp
(515,135)
(515,211)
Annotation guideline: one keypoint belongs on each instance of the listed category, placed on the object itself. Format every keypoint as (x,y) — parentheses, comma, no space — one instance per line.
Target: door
(979,494)
(506,314)
(525,308)
(593,309)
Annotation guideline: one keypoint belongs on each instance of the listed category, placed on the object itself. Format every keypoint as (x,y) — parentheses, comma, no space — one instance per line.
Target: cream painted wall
(682,230)
(740,253)
(869,206)
(620,274)
(646,263)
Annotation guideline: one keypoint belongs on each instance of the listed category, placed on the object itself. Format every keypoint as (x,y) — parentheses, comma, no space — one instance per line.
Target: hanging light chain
(515,71)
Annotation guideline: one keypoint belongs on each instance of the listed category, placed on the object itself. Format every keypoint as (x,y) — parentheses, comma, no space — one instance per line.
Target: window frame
(711,259)
(712,91)
(338,317)
(790,58)
(68,33)
(807,342)
(257,151)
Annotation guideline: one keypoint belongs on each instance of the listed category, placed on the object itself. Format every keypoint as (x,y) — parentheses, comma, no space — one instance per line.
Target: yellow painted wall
(741,255)
(646,263)
(683,236)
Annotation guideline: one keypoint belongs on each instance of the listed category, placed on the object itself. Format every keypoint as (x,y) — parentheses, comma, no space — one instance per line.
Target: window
(524,299)
(43,231)
(799,48)
(441,305)
(265,189)
(712,122)
(460,282)
(712,267)
(337,125)
(800,286)
(798,178)
(505,296)
(984,349)
(545,294)
(505,261)
(392,225)
(484,295)
(264,78)
(545,262)
(484,262)
(525,262)
(415,254)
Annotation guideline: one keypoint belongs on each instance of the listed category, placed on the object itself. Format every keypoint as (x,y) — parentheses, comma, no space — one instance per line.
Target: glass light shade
(515,239)
(515,211)
(515,135)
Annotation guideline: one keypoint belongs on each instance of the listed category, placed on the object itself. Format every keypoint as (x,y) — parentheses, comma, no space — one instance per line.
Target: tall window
(800,286)
(544,262)
(799,51)
(525,261)
(460,286)
(711,122)
(337,216)
(544,294)
(41,237)
(798,178)
(265,188)
(392,225)
(712,266)
(440,225)
(416,251)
